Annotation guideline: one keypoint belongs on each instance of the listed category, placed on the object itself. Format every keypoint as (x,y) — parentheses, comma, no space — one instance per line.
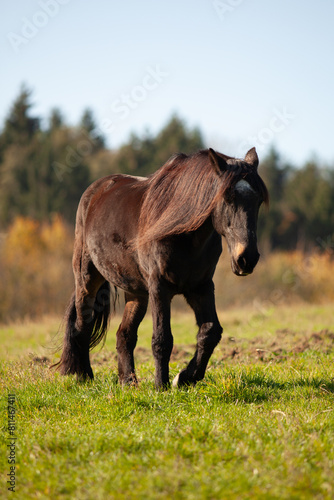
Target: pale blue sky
(247,72)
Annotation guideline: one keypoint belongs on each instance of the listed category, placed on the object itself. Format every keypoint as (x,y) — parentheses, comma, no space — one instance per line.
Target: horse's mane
(182,194)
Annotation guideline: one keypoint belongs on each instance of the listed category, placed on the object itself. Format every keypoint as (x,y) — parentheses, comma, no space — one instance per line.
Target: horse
(153,238)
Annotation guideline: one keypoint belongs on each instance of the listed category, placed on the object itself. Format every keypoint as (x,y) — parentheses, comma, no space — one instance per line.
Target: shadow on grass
(259,388)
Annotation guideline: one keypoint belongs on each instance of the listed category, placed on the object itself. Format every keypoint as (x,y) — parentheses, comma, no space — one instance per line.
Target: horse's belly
(119,267)
(126,279)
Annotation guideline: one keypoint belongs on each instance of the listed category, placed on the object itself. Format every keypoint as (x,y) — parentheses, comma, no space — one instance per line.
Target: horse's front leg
(203,303)
(162,339)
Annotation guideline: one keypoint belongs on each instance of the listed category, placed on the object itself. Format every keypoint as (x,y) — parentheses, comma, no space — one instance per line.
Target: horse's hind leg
(135,310)
(85,314)
(209,334)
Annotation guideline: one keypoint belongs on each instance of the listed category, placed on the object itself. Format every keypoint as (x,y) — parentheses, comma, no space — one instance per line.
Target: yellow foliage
(55,236)
(23,239)
(279,277)
(36,273)
(27,239)
(35,264)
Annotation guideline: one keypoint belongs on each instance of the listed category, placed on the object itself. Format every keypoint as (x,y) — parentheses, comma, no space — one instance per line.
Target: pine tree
(19,126)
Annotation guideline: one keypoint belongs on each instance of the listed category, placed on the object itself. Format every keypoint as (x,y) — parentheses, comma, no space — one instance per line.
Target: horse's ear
(217,162)
(251,158)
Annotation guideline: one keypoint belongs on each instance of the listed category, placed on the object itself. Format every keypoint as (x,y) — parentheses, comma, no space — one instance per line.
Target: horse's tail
(105,304)
(72,359)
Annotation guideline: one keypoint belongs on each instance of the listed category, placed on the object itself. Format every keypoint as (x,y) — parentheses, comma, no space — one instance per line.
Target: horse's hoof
(129,381)
(175,382)
(85,377)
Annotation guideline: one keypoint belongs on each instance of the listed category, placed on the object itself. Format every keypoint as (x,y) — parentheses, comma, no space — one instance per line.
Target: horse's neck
(205,233)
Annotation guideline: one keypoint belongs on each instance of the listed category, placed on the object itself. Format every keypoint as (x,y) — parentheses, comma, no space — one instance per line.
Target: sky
(246,72)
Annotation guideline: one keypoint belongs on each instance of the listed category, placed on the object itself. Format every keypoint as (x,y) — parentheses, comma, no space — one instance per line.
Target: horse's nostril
(242,261)
(246,262)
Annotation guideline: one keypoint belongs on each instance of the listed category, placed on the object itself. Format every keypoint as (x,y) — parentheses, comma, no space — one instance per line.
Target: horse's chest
(185,264)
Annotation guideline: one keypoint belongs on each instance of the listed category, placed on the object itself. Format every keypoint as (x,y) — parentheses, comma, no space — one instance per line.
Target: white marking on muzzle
(239,249)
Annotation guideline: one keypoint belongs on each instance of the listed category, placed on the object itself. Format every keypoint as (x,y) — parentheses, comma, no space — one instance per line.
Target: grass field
(260,425)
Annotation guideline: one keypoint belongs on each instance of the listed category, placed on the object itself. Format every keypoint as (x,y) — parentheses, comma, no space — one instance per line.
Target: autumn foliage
(35,267)
(37,280)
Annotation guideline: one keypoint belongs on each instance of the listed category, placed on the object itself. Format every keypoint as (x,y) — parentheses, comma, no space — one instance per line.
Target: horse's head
(236,213)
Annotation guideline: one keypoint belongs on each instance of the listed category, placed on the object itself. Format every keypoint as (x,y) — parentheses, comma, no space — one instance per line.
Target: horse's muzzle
(245,262)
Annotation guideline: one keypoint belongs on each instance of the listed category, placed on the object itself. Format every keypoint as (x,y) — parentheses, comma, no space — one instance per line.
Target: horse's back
(103,186)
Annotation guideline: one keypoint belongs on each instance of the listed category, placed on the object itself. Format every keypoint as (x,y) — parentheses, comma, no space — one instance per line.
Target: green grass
(260,425)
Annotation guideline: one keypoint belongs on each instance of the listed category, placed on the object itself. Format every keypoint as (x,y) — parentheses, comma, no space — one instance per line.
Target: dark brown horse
(154,238)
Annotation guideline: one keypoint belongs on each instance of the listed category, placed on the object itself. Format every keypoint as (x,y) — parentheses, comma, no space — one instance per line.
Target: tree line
(46,164)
